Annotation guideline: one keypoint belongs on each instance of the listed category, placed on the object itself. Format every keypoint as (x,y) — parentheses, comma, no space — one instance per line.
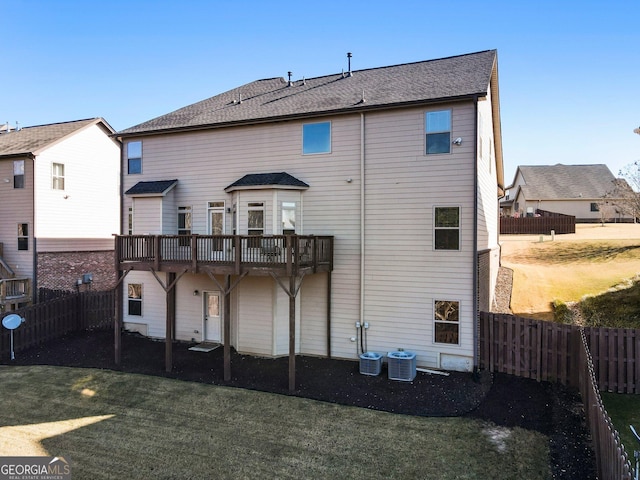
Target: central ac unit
(370,363)
(402,366)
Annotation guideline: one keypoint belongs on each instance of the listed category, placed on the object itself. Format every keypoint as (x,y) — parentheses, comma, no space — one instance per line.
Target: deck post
(171,321)
(292,334)
(117,324)
(227,329)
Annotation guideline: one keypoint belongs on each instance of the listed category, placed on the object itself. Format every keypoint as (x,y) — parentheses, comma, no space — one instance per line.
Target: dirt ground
(505,400)
(533,281)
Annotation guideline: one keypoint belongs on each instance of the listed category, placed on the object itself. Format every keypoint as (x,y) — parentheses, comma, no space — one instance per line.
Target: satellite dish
(13,321)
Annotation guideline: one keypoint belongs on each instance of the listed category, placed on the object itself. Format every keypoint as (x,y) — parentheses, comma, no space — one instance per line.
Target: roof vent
(350,74)
(289,82)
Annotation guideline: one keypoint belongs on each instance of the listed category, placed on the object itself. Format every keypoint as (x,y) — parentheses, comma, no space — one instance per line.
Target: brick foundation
(61,270)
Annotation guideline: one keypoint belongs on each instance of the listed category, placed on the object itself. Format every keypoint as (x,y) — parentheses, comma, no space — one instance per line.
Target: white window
(447,228)
(57,176)
(134,292)
(447,322)
(23,236)
(216,218)
(184,225)
(316,138)
(288,218)
(438,131)
(134,157)
(18,174)
(255,221)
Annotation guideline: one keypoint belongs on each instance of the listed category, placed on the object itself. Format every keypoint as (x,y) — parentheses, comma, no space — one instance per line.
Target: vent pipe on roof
(289,83)
(349,63)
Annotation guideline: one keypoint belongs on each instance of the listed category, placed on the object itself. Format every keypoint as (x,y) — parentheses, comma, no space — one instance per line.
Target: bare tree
(626,190)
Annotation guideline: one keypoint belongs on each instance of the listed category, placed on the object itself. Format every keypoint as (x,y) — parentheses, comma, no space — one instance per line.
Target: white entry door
(212,328)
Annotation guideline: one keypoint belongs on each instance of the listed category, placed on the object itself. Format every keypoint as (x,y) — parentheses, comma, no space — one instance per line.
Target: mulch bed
(505,400)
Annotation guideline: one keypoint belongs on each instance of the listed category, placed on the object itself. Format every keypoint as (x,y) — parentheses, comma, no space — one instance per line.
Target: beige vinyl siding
(88,207)
(75,244)
(170,213)
(404,273)
(255,311)
(17,207)
(212,160)
(313,309)
(147,215)
(153,303)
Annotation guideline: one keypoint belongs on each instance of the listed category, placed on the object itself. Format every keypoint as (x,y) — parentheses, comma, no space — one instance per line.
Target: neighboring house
(59,208)
(587,192)
(388,177)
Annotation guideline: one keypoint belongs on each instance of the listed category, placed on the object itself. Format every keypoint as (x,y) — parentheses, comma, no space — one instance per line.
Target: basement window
(134,292)
(447,322)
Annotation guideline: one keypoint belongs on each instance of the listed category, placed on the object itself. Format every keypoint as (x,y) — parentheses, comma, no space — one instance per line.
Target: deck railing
(253,251)
(15,290)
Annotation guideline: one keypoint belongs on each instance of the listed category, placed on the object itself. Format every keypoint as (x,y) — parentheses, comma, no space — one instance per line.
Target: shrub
(561,312)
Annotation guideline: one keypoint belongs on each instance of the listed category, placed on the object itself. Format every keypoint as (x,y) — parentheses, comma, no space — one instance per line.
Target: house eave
(358,108)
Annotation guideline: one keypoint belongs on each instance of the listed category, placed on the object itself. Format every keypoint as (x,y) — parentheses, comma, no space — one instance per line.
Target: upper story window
(184,224)
(438,131)
(23,236)
(18,174)
(447,228)
(316,138)
(134,157)
(57,176)
(288,218)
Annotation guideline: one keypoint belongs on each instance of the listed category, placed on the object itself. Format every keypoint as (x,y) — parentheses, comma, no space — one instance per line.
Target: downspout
(362,221)
(34,270)
(476,339)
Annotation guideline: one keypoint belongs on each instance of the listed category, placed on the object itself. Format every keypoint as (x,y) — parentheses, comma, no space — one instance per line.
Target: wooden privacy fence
(548,351)
(537,225)
(51,320)
(590,359)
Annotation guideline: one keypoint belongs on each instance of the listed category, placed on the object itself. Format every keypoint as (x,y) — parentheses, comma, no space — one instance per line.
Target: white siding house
(394,173)
(59,207)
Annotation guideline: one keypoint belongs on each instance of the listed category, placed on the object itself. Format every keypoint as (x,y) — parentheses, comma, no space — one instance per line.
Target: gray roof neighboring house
(460,77)
(565,182)
(30,141)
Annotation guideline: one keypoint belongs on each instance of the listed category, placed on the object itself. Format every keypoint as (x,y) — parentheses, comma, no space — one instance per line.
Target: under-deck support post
(227,329)
(292,333)
(171,321)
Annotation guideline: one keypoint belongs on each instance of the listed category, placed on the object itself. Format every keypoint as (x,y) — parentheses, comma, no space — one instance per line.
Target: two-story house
(588,192)
(59,208)
(322,216)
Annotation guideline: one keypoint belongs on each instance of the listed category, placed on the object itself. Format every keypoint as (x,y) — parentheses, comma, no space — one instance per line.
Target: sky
(569,71)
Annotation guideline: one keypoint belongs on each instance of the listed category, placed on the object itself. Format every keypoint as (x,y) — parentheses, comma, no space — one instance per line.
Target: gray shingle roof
(30,140)
(281,179)
(406,84)
(547,182)
(160,187)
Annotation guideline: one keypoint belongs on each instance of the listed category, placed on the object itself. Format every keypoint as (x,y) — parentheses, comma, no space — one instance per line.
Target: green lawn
(116,425)
(624,410)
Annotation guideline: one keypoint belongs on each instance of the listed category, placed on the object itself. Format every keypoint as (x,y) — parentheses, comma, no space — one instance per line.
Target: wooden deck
(288,255)
(15,291)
